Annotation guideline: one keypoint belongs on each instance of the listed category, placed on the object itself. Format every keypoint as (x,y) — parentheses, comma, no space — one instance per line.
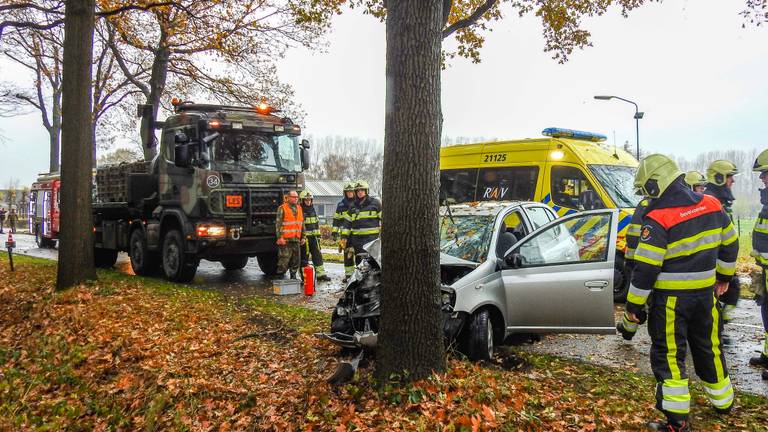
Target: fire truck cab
(44,215)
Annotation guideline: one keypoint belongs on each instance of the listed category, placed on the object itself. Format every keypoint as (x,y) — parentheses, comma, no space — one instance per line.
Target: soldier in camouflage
(289,226)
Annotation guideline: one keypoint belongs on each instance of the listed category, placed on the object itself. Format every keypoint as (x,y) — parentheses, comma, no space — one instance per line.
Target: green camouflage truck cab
(211,192)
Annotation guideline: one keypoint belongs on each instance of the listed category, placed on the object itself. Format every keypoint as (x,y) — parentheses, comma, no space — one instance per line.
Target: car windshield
(466,237)
(618,181)
(249,151)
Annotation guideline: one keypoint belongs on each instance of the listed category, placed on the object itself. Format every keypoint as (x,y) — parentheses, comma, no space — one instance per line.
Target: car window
(458,184)
(571,189)
(507,183)
(512,230)
(576,240)
(539,216)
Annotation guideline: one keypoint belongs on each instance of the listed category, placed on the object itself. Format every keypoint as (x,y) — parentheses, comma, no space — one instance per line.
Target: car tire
(621,277)
(480,336)
(104,258)
(234,263)
(143,262)
(268,263)
(177,265)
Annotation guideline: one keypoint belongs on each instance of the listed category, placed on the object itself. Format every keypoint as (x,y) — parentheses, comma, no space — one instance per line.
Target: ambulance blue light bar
(573,134)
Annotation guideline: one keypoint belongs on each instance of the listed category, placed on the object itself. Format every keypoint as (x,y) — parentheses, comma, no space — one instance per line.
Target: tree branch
(470,20)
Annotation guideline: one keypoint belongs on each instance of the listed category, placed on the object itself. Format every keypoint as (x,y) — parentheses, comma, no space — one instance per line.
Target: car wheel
(621,278)
(104,258)
(234,263)
(177,265)
(143,262)
(480,343)
(268,263)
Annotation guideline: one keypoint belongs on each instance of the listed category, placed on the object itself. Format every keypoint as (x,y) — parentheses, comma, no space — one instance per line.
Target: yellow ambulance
(567,169)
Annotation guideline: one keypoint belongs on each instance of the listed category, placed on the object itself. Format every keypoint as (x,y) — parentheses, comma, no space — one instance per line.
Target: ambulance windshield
(618,181)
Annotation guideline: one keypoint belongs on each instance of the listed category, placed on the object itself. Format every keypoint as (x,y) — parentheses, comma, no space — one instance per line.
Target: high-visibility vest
(292,223)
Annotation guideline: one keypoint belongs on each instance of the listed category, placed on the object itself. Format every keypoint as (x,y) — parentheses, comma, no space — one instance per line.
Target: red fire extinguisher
(309,280)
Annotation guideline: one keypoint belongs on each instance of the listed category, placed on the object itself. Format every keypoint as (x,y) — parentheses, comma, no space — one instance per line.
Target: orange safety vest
(292,223)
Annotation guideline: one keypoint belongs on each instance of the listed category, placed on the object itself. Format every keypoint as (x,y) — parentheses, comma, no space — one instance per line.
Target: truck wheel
(268,263)
(480,343)
(177,266)
(104,258)
(234,263)
(621,278)
(143,262)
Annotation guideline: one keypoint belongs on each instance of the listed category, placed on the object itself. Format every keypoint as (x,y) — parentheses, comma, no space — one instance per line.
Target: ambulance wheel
(621,278)
(143,262)
(268,263)
(480,336)
(234,263)
(177,265)
(104,258)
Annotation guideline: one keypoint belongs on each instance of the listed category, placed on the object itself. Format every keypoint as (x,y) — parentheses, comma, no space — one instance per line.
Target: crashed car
(506,268)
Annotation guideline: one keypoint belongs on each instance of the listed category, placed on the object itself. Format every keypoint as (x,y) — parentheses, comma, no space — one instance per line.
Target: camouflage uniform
(289,254)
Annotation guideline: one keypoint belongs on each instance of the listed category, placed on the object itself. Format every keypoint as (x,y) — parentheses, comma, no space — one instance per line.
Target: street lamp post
(638,116)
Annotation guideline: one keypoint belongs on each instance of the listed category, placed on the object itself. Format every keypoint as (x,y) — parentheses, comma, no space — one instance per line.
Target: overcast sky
(695,72)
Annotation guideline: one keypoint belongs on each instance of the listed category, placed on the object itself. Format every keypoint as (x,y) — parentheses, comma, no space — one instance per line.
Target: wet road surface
(745,331)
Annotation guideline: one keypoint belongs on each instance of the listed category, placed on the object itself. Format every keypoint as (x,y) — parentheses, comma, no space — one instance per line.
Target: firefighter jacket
(340,218)
(724,195)
(687,243)
(760,232)
(364,219)
(311,222)
(289,222)
(633,231)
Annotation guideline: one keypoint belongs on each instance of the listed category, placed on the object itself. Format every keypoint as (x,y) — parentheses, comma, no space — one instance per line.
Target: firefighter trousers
(762,300)
(678,319)
(312,249)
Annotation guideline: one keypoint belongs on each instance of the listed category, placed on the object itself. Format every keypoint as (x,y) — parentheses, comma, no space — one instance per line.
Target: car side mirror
(305,143)
(514,260)
(181,156)
(304,159)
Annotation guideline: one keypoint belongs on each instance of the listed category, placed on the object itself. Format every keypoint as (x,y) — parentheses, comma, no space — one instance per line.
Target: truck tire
(104,258)
(177,265)
(480,335)
(268,263)
(143,262)
(621,279)
(234,263)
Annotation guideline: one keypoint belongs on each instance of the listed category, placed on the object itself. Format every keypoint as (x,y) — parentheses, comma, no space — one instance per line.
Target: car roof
(483,208)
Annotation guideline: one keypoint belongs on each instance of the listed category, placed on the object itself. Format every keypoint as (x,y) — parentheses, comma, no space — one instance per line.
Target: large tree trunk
(76,237)
(54,132)
(411,334)
(157,82)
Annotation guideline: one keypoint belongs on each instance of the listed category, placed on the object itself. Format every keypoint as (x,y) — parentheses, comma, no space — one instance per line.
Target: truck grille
(262,203)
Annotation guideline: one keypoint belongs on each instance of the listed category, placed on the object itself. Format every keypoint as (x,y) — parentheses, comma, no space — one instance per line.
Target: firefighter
(2,219)
(720,178)
(364,223)
(760,252)
(686,254)
(13,219)
(289,226)
(312,237)
(696,181)
(340,219)
(626,327)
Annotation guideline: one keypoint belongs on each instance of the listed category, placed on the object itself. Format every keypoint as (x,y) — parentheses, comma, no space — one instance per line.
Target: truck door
(562,276)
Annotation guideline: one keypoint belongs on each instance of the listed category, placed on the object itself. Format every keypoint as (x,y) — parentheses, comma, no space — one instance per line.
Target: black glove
(638,311)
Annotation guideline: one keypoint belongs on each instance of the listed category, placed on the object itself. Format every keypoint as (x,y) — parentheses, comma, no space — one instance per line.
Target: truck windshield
(251,151)
(618,181)
(466,237)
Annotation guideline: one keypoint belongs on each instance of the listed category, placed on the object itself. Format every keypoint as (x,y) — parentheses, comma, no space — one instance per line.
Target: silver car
(506,267)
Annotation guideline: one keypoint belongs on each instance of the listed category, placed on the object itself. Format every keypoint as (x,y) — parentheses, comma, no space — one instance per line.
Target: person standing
(760,252)
(13,219)
(686,254)
(720,178)
(364,224)
(626,327)
(289,226)
(340,219)
(2,219)
(312,237)
(696,181)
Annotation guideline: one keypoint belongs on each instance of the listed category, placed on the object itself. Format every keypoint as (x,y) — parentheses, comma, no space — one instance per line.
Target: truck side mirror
(304,159)
(305,143)
(181,156)
(514,260)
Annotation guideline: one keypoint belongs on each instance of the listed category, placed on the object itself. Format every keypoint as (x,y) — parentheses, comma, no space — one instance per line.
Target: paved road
(745,333)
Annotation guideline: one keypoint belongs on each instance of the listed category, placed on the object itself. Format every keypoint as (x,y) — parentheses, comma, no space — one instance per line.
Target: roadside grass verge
(134,353)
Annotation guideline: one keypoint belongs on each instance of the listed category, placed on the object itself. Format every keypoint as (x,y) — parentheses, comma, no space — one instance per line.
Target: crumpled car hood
(374,250)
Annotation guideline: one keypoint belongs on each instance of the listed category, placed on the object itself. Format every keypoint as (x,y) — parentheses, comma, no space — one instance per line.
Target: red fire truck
(44,213)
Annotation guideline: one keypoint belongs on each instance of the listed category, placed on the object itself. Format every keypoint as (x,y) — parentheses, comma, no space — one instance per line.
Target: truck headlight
(211,230)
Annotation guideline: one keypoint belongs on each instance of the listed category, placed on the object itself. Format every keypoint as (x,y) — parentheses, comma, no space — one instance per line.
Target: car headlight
(448,298)
(211,230)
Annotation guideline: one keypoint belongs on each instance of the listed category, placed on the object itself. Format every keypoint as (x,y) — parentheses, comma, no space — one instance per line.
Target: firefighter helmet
(349,186)
(719,170)
(695,178)
(305,195)
(361,184)
(654,175)
(761,163)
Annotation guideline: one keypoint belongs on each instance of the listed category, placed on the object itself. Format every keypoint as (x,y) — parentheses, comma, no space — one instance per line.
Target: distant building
(327,194)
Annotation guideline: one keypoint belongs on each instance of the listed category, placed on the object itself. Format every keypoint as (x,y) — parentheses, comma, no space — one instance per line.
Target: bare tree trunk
(411,333)
(76,237)
(157,83)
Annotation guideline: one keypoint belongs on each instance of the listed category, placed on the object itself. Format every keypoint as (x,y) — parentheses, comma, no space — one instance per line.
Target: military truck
(212,191)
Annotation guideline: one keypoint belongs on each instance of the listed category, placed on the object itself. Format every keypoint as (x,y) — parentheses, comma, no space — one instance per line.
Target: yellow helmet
(349,186)
(361,184)
(761,163)
(654,175)
(695,178)
(719,170)
(305,195)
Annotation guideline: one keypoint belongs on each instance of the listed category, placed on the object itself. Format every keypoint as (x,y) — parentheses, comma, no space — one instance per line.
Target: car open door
(560,277)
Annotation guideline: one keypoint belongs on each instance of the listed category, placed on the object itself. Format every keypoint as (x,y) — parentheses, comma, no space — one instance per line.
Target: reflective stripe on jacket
(311,222)
(341,216)
(364,219)
(633,230)
(289,224)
